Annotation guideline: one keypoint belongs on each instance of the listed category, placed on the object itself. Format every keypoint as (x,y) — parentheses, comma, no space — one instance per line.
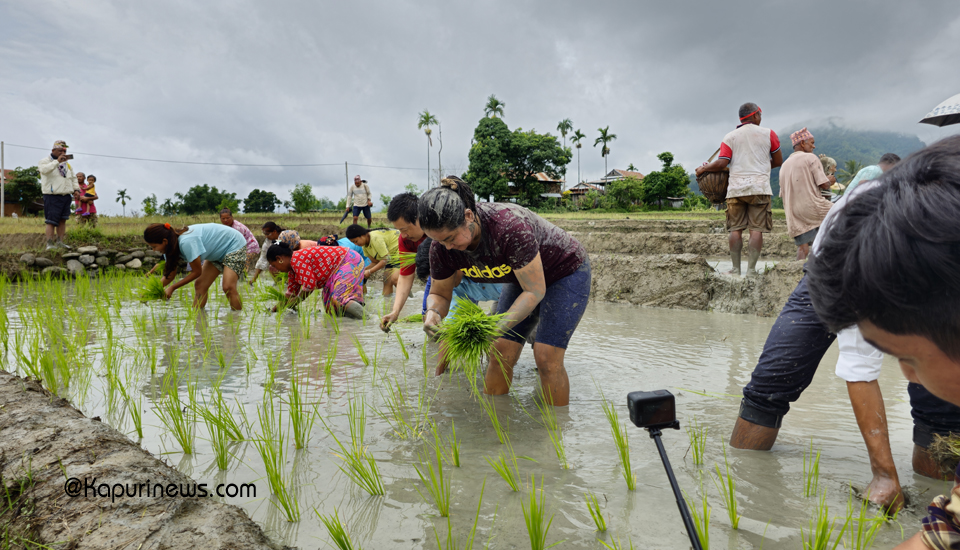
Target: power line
(185,161)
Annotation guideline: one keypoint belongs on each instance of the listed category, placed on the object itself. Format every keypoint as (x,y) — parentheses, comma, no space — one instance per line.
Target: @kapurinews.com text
(90,488)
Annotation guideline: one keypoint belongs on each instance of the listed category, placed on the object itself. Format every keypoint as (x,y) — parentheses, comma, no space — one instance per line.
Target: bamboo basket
(713,185)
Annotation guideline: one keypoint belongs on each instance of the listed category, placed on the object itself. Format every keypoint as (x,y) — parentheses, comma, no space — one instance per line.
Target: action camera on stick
(654,411)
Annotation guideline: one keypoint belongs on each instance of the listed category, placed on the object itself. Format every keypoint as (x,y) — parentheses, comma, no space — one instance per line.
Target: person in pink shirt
(253,247)
(87,211)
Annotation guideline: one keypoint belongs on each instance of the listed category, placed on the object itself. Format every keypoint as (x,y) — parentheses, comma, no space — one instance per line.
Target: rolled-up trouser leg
(793,350)
(931,415)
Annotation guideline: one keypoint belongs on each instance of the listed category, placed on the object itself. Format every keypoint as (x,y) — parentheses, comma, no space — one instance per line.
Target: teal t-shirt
(871,172)
(210,241)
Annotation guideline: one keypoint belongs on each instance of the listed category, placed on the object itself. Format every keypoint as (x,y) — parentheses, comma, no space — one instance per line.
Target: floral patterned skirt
(346,283)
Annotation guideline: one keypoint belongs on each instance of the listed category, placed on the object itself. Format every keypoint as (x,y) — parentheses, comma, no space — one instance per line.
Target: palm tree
(849,171)
(426,120)
(564,127)
(605,138)
(632,168)
(494,107)
(577,138)
(122,198)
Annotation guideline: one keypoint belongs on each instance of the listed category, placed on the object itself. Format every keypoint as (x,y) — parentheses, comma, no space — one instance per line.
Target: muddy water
(704,358)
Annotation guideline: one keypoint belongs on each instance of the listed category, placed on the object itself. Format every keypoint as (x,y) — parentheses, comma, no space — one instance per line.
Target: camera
(68,157)
(653,409)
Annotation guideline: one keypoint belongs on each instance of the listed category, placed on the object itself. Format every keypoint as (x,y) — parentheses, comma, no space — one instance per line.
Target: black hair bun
(284,245)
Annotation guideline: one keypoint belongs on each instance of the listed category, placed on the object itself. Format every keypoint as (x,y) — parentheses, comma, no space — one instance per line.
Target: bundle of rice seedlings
(417,318)
(153,290)
(468,335)
(403,259)
(945,448)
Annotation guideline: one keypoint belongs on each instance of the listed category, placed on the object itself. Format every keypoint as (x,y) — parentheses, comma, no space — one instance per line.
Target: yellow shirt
(382,245)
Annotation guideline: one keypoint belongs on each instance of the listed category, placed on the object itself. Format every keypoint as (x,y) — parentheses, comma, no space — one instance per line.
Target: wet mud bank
(686,281)
(44,441)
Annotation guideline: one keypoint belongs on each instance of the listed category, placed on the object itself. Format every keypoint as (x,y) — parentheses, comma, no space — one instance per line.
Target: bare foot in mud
(732,273)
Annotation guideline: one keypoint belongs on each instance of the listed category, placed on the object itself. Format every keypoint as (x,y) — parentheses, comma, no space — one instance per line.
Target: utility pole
(346,177)
(3,183)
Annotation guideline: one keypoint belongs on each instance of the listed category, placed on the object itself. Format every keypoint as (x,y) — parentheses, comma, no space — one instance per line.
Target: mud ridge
(45,440)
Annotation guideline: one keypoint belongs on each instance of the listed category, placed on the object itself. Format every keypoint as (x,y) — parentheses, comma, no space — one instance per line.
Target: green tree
(23,188)
(385,199)
(671,181)
(564,128)
(626,191)
(849,171)
(205,199)
(577,139)
(260,201)
(170,207)
(494,107)
(150,205)
(342,204)
(486,172)
(605,138)
(424,123)
(302,198)
(122,198)
(326,204)
(631,168)
(411,188)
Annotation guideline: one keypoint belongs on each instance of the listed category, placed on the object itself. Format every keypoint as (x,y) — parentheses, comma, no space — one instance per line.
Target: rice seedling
(811,472)
(302,420)
(403,348)
(534,515)
(454,446)
(489,406)
(360,351)
(152,290)
(863,528)
(620,439)
(395,406)
(403,259)
(437,487)
(698,440)
(617,545)
(593,506)
(549,419)
(337,532)
(506,465)
(469,335)
(218,412)
(218,441)
(271,447)
(358,465)
(728,490)
(452,541)
(423,356)
(134,408)
(178,419)
(415,318)
(701,516)
(821,528)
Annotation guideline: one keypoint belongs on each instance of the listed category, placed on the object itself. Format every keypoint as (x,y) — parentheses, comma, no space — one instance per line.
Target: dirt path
(44,440)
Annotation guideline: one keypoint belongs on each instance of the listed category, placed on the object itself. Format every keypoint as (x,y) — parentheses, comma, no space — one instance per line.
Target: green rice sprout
(593,506)
(469,336)
(701,516)
(218,412)
(270,444)
(180,420)
(152,290)
(135,409)
(219,442)
(549,419)
(415,318)
(863,528)
(617,545)
(811,472)
(728,490)
(437,487)
(620,439)
(358,465)
(337,532)
(395,409)
(403,348)
(403,259)
(489,406)
(452,541)
(301,418)
(360,351)
(821,528)
(454,446)
(534,515)
(506,465)
(698,440)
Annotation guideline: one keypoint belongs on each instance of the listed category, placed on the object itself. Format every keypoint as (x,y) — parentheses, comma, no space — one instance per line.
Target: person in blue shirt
(873,171)
(209,249)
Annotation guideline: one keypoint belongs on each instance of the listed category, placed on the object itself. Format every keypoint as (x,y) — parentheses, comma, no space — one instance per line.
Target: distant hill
(843,144)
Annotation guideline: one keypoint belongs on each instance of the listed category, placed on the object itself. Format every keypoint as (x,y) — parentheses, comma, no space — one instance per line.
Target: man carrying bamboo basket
(750,152)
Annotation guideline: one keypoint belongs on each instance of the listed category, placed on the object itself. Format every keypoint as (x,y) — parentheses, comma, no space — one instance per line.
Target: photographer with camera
(60,188)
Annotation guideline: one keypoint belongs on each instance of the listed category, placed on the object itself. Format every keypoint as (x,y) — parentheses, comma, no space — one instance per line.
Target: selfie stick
(681,504)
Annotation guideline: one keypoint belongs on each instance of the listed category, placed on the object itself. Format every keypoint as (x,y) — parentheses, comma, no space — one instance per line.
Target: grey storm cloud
(322,83)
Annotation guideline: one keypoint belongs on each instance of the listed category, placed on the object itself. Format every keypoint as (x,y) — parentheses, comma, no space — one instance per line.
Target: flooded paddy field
(96,345)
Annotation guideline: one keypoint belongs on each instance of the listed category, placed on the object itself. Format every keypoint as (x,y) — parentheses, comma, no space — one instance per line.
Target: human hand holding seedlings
(388,320)
(431,322)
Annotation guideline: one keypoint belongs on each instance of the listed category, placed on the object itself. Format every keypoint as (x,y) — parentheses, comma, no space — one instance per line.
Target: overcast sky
(306,82)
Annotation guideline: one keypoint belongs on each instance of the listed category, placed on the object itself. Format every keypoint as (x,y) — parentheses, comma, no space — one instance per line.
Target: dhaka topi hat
(799,136)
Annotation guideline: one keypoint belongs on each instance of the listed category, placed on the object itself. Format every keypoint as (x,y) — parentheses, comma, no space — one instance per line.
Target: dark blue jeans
(793,350)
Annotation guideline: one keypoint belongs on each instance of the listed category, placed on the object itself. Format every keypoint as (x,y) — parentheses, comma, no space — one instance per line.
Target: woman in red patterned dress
(335,269)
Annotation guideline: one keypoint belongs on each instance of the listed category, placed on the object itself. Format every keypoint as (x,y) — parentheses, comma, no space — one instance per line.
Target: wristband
(435,310)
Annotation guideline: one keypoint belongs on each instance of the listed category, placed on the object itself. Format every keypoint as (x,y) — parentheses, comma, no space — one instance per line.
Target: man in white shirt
(750,152)
(60,188)
(360,199)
